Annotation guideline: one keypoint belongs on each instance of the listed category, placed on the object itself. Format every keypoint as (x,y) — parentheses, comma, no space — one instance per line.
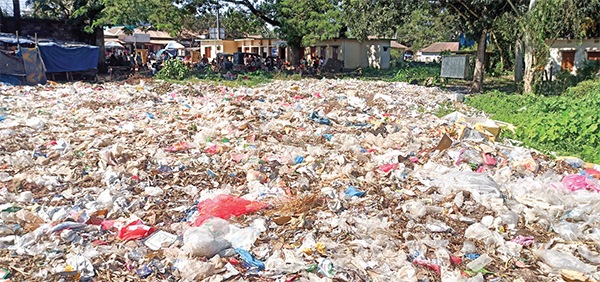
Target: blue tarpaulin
(62,59)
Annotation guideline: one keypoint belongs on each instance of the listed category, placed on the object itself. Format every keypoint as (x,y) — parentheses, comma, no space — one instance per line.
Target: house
(569,54)
(374,52)
(249,44)
(433,52)
(394,45)
(152,40)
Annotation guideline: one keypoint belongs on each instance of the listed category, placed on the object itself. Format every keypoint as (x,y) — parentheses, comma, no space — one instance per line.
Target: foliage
(565,79)
(568,124)
(174,69)
(81,13)
(421,74)
(396,55)
(428,24)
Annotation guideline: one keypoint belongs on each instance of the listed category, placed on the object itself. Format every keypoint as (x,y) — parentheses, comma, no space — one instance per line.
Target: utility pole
(218,21)
(17,14)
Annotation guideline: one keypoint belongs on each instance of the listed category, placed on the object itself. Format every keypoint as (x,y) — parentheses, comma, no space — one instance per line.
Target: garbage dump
(310,180)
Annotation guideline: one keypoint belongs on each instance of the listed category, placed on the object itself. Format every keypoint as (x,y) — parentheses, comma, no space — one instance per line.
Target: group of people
(314,64)
(127,59)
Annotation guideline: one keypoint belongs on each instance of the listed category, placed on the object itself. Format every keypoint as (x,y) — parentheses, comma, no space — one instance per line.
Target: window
(255,50)
(385,49)
(218,47)
(324,52)
(240,49)
(334,54)
(595,56)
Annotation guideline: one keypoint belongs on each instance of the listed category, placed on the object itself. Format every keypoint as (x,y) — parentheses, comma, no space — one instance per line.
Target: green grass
(568,124)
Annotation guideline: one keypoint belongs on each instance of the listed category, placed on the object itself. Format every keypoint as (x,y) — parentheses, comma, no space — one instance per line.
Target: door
(282,53)
(324,52)
(334,54)
(207,51)
(313,52)
(595,56)
(568,60)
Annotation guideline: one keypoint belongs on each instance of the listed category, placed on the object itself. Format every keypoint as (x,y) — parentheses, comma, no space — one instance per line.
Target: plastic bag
(560,260)
(247,257)
(225,206)
(576,182)
(316,118)
(135,230)
(200,241)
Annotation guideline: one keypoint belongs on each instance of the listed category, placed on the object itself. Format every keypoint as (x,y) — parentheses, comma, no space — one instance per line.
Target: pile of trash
(310,180)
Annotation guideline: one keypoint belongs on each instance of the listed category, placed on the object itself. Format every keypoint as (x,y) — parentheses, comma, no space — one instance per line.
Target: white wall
(580,47)
(428,57)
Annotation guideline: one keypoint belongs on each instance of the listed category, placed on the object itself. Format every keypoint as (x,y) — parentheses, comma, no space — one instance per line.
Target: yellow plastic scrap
(321,248)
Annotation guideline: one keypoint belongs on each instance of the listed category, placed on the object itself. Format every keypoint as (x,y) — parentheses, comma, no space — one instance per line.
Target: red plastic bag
(225,206)
(135,230)
(387,167)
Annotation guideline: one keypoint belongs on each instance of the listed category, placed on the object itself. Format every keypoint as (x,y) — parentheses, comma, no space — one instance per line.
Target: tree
(479,17)
(552,19)
(79,13)
(426,25)
(299,22)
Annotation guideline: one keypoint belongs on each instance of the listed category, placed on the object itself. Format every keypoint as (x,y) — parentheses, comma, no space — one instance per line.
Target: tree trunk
(518,60)
(479,63)
(295,55)
(1,20)
(529,58)
(529,70)
(501,52)
(17,15)
(99,40)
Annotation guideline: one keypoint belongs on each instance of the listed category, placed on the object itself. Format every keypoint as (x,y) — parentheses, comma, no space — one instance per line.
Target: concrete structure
(153,40)
(373,52)
(433,52)
(568,54)
(252,44)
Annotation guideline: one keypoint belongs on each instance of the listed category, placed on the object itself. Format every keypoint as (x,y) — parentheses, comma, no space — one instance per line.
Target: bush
(565,79)
(568,124)
(421,74)
(174,69)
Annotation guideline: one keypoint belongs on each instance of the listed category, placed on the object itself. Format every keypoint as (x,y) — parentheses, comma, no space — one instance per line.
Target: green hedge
(568,124)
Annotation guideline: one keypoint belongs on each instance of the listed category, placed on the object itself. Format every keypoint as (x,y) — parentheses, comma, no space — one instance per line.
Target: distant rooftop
(439,47)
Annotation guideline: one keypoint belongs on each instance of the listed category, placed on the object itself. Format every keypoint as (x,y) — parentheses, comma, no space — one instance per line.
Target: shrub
(568,124)
(174,69)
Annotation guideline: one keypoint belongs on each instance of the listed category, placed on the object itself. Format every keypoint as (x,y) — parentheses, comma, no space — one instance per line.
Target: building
(152,40)
(569,54)
(250,44)
(374,52)
(400,48)
(433,52)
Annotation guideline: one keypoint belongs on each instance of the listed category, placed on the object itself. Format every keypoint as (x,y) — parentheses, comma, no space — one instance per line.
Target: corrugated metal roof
(395,44)
(438,47)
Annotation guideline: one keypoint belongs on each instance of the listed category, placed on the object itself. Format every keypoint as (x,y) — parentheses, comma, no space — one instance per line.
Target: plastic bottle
(480,262)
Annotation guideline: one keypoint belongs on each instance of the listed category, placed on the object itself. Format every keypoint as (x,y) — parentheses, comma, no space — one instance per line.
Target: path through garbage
(309,180)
